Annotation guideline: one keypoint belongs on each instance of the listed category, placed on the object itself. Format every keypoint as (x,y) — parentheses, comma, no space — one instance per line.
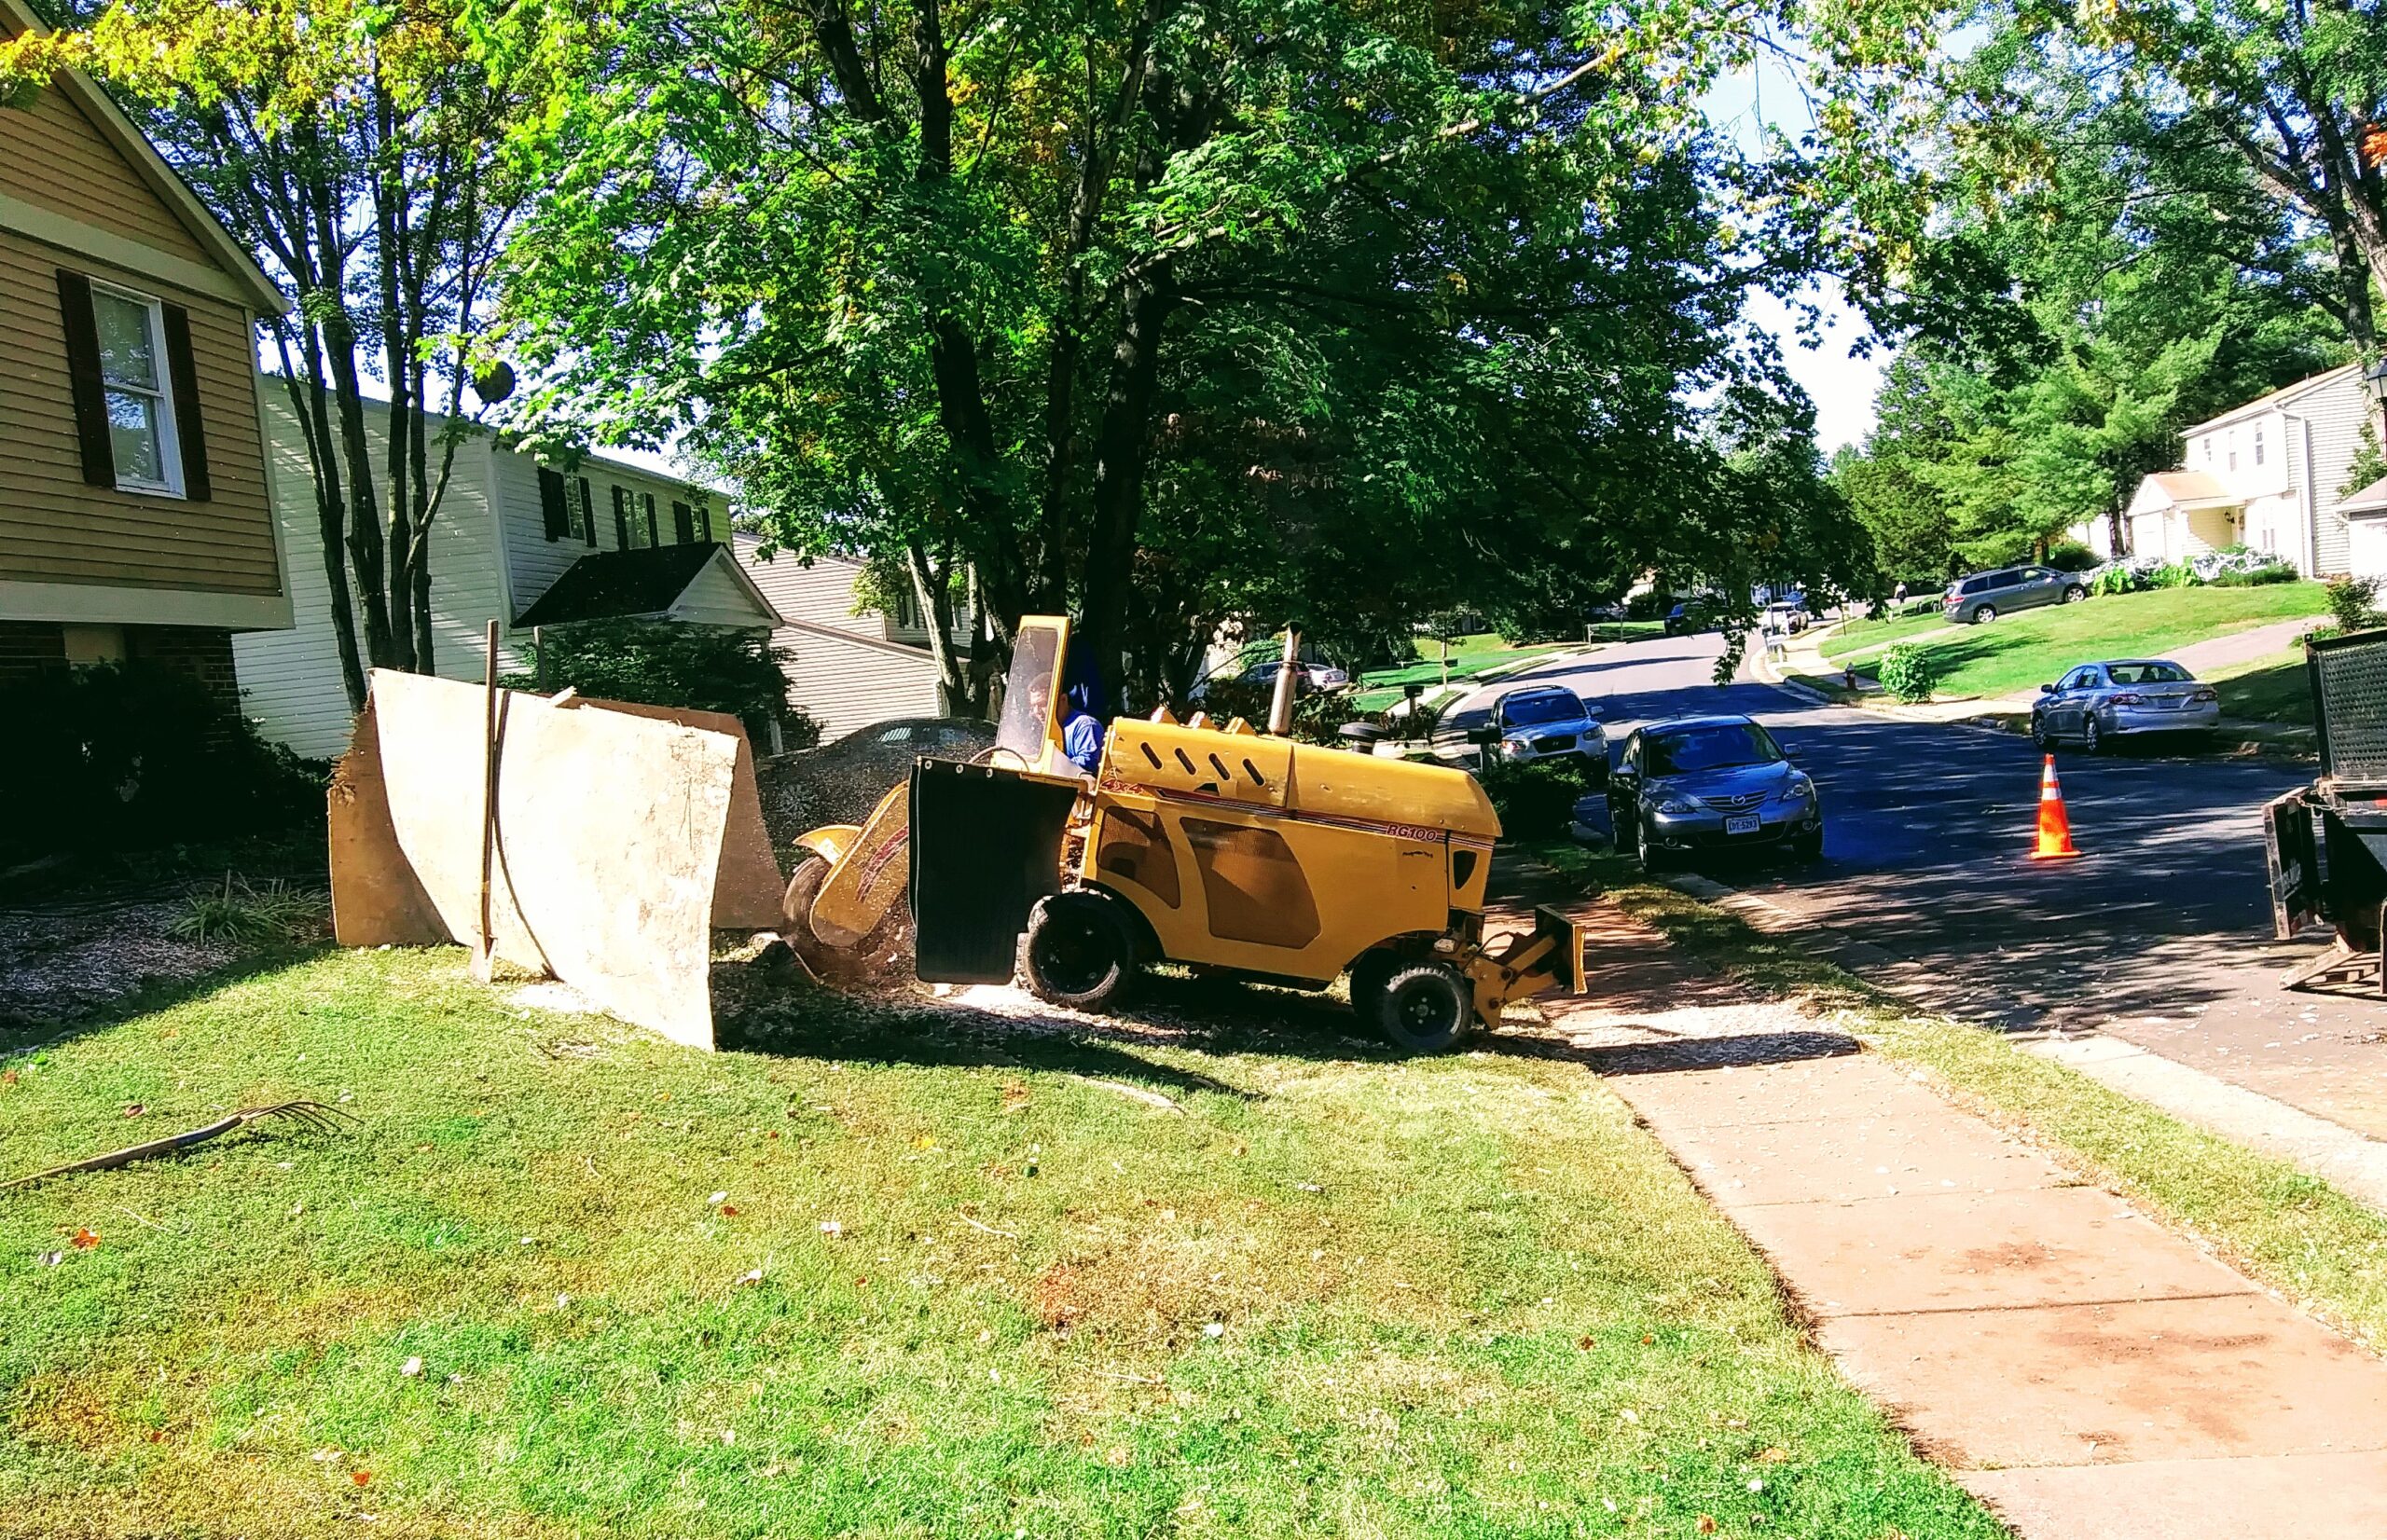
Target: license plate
(1745,823)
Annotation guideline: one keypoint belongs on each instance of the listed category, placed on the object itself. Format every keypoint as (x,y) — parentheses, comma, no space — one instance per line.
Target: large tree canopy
(1167,311)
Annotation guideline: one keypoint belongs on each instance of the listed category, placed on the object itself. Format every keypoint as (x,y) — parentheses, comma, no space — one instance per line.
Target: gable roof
(2370,499)
(2186,489)
(2286,395)
(230,254)
(646,581)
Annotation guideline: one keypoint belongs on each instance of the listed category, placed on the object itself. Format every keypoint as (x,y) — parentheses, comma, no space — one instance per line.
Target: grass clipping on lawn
(896,1276)
(2281,1226)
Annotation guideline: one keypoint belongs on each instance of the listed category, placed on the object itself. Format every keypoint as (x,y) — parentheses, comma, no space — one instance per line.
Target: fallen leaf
(411,1367)
(1587,1342)
(923,1142)
(7,1076)
(1772,1456)
(1117,1457)
(831,1229)
(85,1240)
(326,1456)
(1706,1524)
(729,1211)
(360,1477)
(772,1134)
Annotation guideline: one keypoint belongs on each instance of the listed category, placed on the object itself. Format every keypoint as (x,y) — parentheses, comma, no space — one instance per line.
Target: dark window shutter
(89,390)
(621,518)
(683,523)
(653,533)
(190,429)
(588,510)
(553,507)
(704,519)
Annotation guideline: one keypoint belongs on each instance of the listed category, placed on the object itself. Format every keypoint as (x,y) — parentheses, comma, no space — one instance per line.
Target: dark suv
(1986,596)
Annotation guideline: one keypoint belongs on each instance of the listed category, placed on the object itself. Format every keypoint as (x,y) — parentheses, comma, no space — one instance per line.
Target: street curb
(2352,1163)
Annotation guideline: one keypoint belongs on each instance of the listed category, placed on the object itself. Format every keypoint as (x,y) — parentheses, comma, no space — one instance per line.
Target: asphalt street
(2160,934)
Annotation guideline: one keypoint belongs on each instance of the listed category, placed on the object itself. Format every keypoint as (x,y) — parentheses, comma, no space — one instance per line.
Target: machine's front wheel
(1426,1007)
(1076,952)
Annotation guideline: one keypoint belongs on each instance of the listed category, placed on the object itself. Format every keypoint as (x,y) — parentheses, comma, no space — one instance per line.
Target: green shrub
(274,915)
(2114,580)
(1653,605)
(2069,555)
(1535,801)
(1907,673)
(664,663)
(126,756)
(2352,602)
(2257,577)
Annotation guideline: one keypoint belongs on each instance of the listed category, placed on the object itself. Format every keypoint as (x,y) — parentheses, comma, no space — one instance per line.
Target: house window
(555,504)
(2208,449)
(628,533)
(588,510)
(2258,444)
(683,523)
(2233,448)
(132,374)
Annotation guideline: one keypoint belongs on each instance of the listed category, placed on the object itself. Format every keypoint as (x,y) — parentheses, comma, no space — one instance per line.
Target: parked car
(1535,723)
(1789,619)
(1691,617)
(2099,701)
(1711,783)
(1316,676)
(1985,596)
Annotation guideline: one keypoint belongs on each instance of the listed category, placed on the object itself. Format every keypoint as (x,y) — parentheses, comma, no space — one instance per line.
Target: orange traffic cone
(2055,825)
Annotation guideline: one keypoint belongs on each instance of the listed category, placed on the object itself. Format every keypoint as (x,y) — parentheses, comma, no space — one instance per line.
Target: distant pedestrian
(1897,594)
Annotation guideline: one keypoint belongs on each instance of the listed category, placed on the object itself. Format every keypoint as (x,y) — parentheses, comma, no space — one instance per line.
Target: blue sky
(1843,386)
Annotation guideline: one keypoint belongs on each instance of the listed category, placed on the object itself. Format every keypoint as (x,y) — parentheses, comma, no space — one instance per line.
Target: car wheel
(1652,855)
(1984,614)
(2039,738)
(1424,1008)
(1076,952)
(2075,594)
(1809,846)
(2093,738)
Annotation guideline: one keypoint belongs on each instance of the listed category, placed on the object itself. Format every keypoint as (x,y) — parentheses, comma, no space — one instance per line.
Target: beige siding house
(135,511)
(514,541)
(2267,474)
(850,668)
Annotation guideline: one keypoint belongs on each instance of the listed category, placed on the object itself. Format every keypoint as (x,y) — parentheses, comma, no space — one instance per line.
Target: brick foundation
(27,647)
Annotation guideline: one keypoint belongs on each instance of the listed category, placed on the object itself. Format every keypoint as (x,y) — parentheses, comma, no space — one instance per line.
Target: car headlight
(1512,748)
(1800,791)
(1674,805)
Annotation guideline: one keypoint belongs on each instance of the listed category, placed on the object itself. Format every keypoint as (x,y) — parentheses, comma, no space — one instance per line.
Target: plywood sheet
(747,891)
(609,837)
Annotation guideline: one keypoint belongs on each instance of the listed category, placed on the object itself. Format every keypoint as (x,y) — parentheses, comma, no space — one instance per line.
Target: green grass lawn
(2276,689)
(1469,656)
(2036,646)
(1857,636)
(883,1272)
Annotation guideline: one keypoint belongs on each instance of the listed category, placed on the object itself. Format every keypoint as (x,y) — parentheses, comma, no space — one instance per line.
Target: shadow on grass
(1748,1050)
(21,1034)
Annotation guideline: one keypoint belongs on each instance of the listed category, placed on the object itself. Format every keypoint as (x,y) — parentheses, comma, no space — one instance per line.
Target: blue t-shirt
(1082,741)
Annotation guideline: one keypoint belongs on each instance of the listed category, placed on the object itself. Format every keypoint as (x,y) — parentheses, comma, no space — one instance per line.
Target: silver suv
(1986,596)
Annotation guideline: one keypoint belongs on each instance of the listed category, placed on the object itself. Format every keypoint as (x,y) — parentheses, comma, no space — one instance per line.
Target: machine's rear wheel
(795,907)
(1426,1007)
(1076,952)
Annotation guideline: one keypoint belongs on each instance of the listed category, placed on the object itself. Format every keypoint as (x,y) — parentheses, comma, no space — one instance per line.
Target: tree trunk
(310,403)
(365,551)
(1121,449)
(932,591)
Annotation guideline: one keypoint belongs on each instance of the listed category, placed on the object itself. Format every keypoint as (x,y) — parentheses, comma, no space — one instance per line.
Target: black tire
(1076,952)
(1651,854)
(2093,738)
(2039,738)
(2075,594)
(1426,1007)
(1808,848)
(1984,614)
(1368,976)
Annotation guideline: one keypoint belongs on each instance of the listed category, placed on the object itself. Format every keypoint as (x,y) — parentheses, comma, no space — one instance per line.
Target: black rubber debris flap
(986,845)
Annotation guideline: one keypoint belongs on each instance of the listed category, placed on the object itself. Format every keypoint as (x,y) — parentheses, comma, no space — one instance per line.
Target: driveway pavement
(2160,935)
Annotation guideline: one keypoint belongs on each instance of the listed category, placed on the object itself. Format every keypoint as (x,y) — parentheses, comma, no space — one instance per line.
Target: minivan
(1986,596)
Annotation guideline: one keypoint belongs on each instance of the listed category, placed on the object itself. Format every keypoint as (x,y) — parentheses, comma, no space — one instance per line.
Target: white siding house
(496,551)
(2267,474)
(851,669)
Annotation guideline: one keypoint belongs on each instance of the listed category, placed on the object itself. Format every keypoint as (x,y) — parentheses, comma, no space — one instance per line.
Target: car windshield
(2147,673)
(1533,711)
(1719,747)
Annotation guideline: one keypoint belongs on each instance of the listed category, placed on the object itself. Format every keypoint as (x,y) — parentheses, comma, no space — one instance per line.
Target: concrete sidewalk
(2087,1373)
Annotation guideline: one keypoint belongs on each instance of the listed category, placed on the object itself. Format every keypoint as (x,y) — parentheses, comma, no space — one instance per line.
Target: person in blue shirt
(1081,729)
